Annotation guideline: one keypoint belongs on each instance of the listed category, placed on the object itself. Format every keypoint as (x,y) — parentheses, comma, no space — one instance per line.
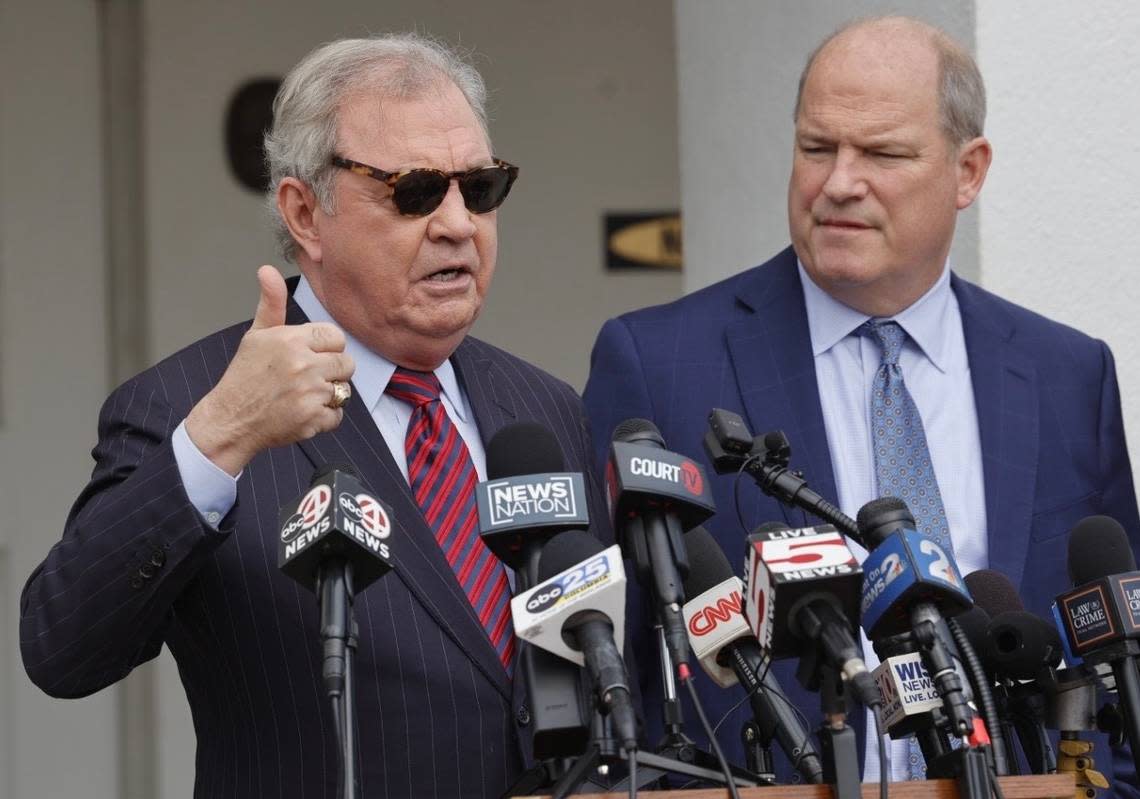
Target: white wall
(738,65)
(1061,207)
(52,366)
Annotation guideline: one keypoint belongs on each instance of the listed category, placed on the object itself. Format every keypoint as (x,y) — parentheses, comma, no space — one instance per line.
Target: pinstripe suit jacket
(1048,412)
(137,568)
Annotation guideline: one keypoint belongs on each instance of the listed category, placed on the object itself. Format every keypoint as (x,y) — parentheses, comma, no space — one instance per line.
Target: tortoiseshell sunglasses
(418,192)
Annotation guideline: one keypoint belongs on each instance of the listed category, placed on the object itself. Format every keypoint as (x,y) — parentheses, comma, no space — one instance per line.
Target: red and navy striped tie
(443,481)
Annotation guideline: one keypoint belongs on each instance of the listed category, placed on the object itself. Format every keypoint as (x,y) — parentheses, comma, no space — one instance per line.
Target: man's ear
(974,159)
(297,204)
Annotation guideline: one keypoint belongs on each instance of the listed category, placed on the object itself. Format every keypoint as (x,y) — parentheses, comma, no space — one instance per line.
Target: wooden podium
(1051,786)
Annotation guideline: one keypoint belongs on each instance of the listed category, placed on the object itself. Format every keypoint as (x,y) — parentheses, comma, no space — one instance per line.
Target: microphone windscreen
(880,517)
(993,591)
(523,448)
(638,430)
(1022,644)
(565,550)
(975,624)
(708,565)
(1098,547)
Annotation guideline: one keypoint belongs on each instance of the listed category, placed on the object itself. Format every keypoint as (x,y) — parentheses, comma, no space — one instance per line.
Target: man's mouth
(448,274)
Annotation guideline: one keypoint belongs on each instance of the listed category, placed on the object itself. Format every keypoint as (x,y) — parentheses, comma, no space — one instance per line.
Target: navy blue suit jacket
(137,568)
(1048,405)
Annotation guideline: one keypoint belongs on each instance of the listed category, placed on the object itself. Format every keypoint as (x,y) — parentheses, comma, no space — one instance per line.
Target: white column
(1061,208)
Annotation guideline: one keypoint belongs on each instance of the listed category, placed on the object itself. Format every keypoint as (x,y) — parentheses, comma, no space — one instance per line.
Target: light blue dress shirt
(936,369)
(213,492)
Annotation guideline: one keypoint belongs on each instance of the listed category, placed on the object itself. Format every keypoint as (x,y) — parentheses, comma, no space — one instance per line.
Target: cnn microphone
(576,611)
(1101,614)
(655,496)
(728,652)
(803,586)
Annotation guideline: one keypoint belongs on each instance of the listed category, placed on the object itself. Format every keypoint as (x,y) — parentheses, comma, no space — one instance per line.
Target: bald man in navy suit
(386,190)
(1022,414)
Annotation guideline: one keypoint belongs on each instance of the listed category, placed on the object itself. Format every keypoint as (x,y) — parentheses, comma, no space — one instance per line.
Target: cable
(687,678)
(999,750)
(338,725)
(882,752)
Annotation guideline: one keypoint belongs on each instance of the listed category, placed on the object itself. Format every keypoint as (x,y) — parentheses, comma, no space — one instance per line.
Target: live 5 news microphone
(654,497)
(1102,613)
(802,591)
(728,652)
(577,611)
(527,499)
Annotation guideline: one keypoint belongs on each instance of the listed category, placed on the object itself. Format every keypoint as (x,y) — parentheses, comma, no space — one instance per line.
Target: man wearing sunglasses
(386,191)
(889,374)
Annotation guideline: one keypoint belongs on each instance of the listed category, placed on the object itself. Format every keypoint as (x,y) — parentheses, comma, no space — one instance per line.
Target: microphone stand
(339,640)
(838,746)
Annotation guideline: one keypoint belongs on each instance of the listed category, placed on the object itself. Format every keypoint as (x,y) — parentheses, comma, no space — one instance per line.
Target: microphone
(1101,614)
(576,611)
(910,585)
(654,496)
(527,498)
(729,654)
(803,585)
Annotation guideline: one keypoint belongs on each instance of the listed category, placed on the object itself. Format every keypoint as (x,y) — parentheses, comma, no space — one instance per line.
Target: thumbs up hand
(277,389)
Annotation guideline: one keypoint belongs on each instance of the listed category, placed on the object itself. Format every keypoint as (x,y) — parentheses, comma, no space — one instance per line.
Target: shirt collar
(925,320)
(373,370)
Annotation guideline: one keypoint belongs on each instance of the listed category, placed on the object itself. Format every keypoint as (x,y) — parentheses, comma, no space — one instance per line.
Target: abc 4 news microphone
(334,542)
(1101,614)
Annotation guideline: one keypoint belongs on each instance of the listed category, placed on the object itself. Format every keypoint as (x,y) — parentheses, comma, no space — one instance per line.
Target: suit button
(146,571)
(157,558)
(523,716)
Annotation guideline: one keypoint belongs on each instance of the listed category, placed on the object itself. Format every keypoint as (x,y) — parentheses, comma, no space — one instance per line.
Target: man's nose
(847,179)
(451,220)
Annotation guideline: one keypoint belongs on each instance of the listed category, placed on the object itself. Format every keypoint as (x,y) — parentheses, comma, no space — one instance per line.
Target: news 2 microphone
(1102,613)
(655,496)
(576,611)
(910,585)
(729,654)
(526,500)
(803,588)
(528,497)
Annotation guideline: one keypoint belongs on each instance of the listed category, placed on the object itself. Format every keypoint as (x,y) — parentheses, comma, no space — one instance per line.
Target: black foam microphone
(595,608)
(1101,614)
(528,497)
(526,500)
(655,496)
(729,652)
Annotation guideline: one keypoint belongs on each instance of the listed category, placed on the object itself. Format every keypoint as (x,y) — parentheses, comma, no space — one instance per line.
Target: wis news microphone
(729,654)
(655,496)
(527,499)
(576,611)
(1101,614)
(803,586)
(910,584)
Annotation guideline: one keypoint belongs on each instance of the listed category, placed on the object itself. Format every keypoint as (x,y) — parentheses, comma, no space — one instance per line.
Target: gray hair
(961,92)
(305,113)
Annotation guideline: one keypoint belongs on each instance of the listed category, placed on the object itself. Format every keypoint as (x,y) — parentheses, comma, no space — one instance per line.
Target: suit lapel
(771,356)
(1006,398)
(417,558)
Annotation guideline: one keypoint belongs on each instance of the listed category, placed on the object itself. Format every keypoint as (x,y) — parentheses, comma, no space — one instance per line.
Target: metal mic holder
(838,747)
(338,640)
(757,750)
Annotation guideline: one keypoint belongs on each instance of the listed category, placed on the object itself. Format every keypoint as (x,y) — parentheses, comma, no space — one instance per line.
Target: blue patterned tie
(903,467)
(443,480)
